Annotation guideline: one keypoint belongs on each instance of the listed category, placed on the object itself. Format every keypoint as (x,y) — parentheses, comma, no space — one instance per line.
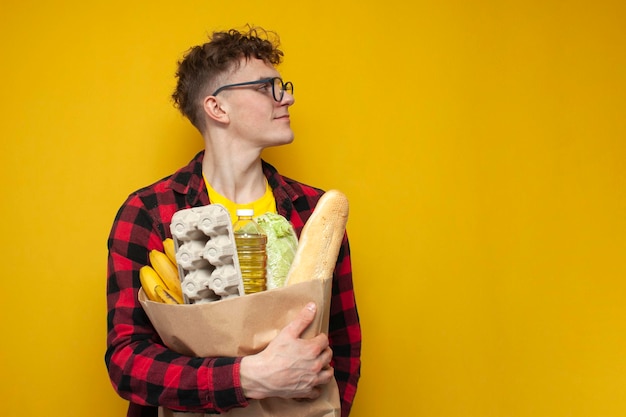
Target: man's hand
(289,367)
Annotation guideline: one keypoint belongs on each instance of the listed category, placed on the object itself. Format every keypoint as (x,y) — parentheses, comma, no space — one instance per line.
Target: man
(230,90)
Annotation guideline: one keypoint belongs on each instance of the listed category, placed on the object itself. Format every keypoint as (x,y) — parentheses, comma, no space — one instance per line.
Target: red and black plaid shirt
(141,368)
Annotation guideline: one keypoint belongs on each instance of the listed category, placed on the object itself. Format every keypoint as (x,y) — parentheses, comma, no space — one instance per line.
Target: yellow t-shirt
(265,204)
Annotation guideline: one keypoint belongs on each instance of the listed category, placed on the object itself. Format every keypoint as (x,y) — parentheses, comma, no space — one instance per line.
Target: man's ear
(215,109)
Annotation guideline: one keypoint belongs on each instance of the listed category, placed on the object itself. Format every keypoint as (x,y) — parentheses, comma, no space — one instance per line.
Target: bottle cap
(245,212)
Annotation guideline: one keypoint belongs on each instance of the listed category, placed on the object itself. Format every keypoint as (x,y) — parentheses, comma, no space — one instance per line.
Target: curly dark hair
(203,64)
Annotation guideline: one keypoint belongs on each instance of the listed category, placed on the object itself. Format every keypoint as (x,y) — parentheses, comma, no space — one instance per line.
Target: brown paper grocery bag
(243,326)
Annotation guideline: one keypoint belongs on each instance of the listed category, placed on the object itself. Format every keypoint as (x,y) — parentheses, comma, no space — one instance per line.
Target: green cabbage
(282,243)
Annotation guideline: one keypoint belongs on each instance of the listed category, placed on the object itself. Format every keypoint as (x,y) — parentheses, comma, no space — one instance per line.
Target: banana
(166,296)
(166,270)
(170,251)
(149,281)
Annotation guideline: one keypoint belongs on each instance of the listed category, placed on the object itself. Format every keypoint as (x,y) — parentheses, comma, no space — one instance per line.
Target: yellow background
(481,144)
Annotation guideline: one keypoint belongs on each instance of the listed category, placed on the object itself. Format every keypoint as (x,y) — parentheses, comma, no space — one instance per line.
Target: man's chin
(283,141)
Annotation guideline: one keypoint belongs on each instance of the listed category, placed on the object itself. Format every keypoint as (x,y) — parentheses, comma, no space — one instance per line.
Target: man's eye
(265,86)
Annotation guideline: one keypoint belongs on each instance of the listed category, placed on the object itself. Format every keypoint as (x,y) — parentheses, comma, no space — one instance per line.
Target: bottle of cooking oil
(251,244)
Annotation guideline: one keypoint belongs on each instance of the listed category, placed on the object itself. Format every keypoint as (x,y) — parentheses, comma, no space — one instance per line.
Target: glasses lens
(277,89)
(288,87)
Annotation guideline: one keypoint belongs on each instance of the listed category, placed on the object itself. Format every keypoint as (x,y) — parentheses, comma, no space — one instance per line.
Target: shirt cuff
(222,383)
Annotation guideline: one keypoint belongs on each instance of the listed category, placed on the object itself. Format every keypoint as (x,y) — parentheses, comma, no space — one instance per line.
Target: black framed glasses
(278,87)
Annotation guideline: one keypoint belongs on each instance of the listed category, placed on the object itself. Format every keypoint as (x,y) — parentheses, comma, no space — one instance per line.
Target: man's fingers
(302,321)
(312,395)
(325,376)
(328,356)
(315,393)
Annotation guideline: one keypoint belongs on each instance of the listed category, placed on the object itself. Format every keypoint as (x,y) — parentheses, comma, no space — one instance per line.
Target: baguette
(320,240)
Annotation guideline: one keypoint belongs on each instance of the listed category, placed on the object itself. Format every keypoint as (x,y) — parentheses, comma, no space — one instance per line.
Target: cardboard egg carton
(206,254)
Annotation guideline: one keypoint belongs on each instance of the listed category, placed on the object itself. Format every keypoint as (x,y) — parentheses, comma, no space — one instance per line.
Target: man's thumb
(302,320)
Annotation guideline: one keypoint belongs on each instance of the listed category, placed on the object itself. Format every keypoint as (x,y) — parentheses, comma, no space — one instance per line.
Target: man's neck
(239,177)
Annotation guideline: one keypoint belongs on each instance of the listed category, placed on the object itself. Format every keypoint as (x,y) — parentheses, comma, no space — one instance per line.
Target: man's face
(255,117)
